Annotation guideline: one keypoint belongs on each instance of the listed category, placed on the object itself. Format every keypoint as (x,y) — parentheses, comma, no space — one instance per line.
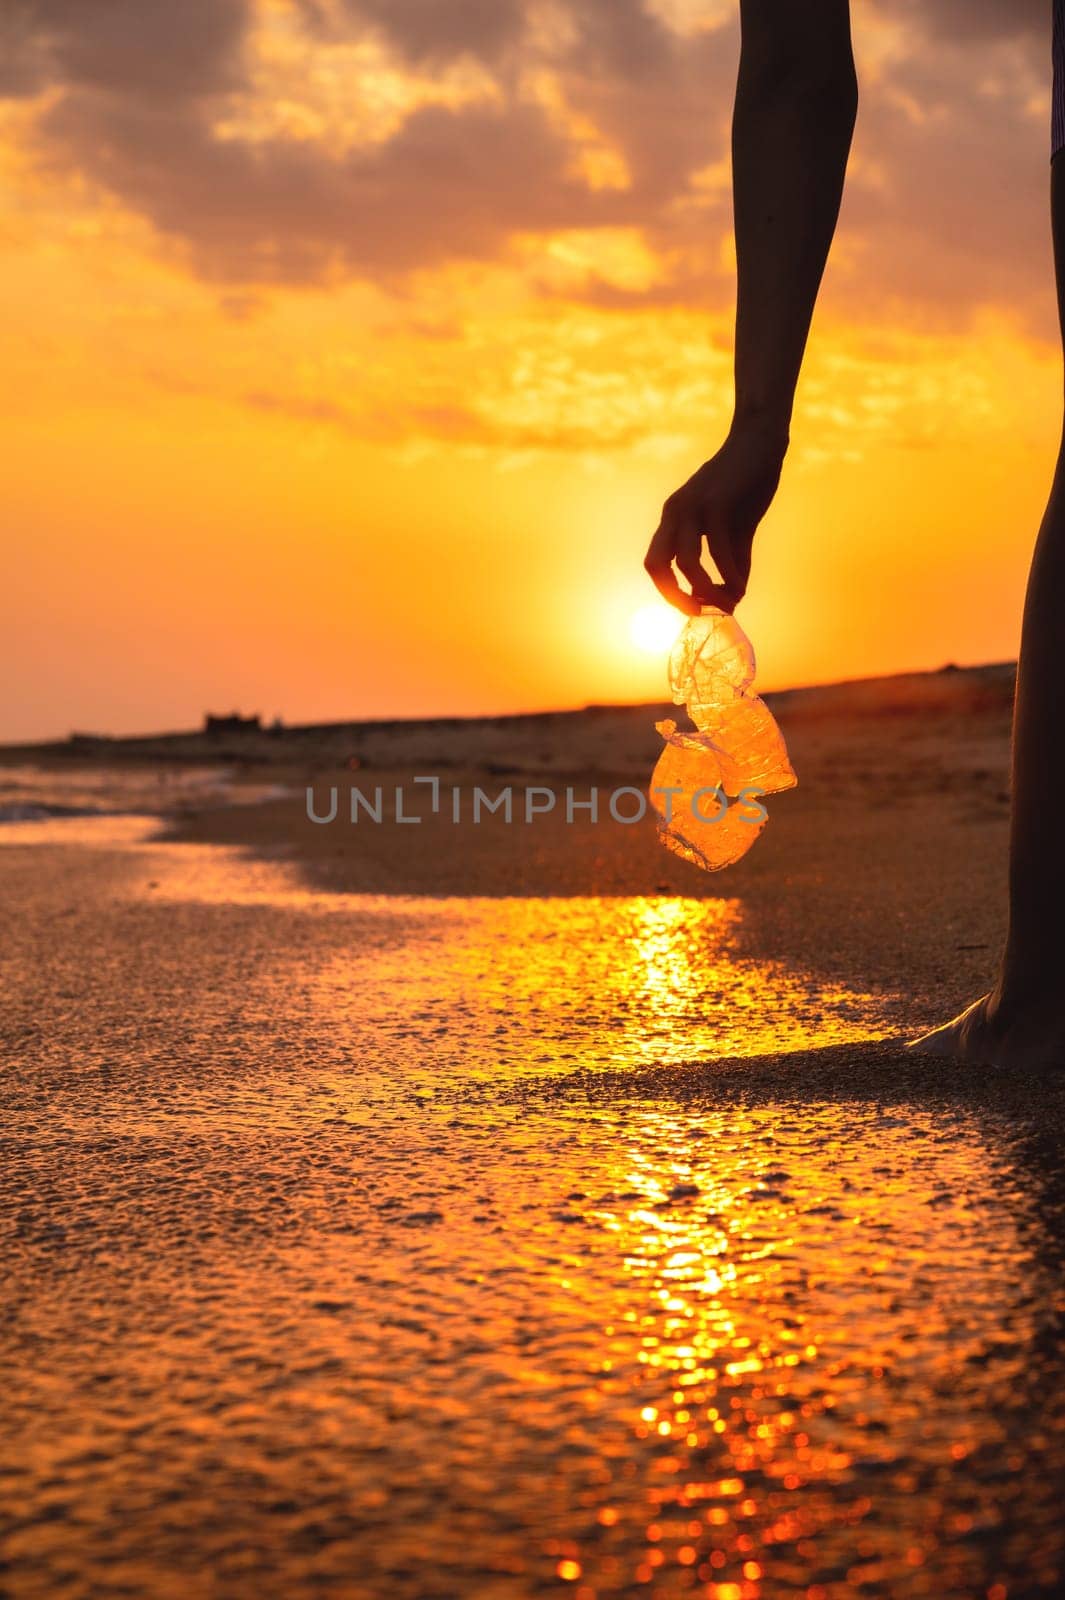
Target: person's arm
(796,102)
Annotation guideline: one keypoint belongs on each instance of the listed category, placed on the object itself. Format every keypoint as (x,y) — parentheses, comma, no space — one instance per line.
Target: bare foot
(981,1035)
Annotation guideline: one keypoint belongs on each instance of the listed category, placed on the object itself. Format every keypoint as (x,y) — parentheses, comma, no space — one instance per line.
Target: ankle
(1019,1005)
(1000,1007)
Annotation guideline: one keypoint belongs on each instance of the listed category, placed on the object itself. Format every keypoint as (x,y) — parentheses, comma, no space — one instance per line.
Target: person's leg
(1022,1020)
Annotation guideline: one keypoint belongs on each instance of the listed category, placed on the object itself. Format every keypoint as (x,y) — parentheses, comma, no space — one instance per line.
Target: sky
(352,346)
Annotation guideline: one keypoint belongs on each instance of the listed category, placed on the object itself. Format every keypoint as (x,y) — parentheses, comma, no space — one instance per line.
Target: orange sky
(351,347)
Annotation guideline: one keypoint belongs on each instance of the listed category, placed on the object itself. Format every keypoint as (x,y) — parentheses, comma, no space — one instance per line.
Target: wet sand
(884,869)
(413,1212)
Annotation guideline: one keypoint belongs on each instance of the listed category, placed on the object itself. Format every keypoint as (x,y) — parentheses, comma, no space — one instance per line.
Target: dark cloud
(967,20)
(954,216)
(957,216)
(668,123)
(449,185)
(433,30)
(619,35)
(23,67)
(143,49)
(620,39)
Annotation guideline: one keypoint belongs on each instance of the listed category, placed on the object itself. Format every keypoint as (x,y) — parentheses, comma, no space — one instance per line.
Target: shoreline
(984,688)
(884,870)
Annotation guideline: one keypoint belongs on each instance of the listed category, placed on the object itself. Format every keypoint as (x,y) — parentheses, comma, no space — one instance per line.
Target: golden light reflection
(589,982)
(632,1328)
(753,1354)
(574,982)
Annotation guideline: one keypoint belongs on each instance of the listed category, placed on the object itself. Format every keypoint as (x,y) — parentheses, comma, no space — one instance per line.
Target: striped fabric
(1057,109)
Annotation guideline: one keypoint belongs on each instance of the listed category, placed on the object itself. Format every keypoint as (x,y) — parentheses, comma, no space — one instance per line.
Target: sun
(654,627)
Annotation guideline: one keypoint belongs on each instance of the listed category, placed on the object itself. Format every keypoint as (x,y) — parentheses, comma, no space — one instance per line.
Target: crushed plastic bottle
(707,785)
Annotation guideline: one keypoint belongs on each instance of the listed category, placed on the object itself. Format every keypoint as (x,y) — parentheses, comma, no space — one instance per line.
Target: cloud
(451,183)
(22,65)
(448,185)
(966,20)
(142,49)
(602,116)
(947,209)
(621,37)
(428,30)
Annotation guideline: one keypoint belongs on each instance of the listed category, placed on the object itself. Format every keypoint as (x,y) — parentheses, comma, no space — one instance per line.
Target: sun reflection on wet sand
(361,1246)
(771,1384)
(535,984)
(528,983)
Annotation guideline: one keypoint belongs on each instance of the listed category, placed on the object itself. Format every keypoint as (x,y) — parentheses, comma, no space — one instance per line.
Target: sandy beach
(452,1211)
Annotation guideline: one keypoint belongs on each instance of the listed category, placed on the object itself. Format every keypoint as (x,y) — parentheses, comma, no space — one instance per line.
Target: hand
(723,502)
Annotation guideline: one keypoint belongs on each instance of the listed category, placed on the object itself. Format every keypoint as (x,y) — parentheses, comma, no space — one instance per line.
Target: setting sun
(397,392)
(653,628)
(329,347)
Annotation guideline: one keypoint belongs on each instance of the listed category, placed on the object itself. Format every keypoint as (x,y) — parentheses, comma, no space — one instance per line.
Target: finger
(668,587)
(688,543)
(731,554)
(658,564)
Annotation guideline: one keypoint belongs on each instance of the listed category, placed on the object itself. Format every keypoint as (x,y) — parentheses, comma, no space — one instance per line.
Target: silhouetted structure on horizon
(233,723)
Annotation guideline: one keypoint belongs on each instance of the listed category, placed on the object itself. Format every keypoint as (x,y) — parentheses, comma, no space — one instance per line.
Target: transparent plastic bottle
(707,784)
